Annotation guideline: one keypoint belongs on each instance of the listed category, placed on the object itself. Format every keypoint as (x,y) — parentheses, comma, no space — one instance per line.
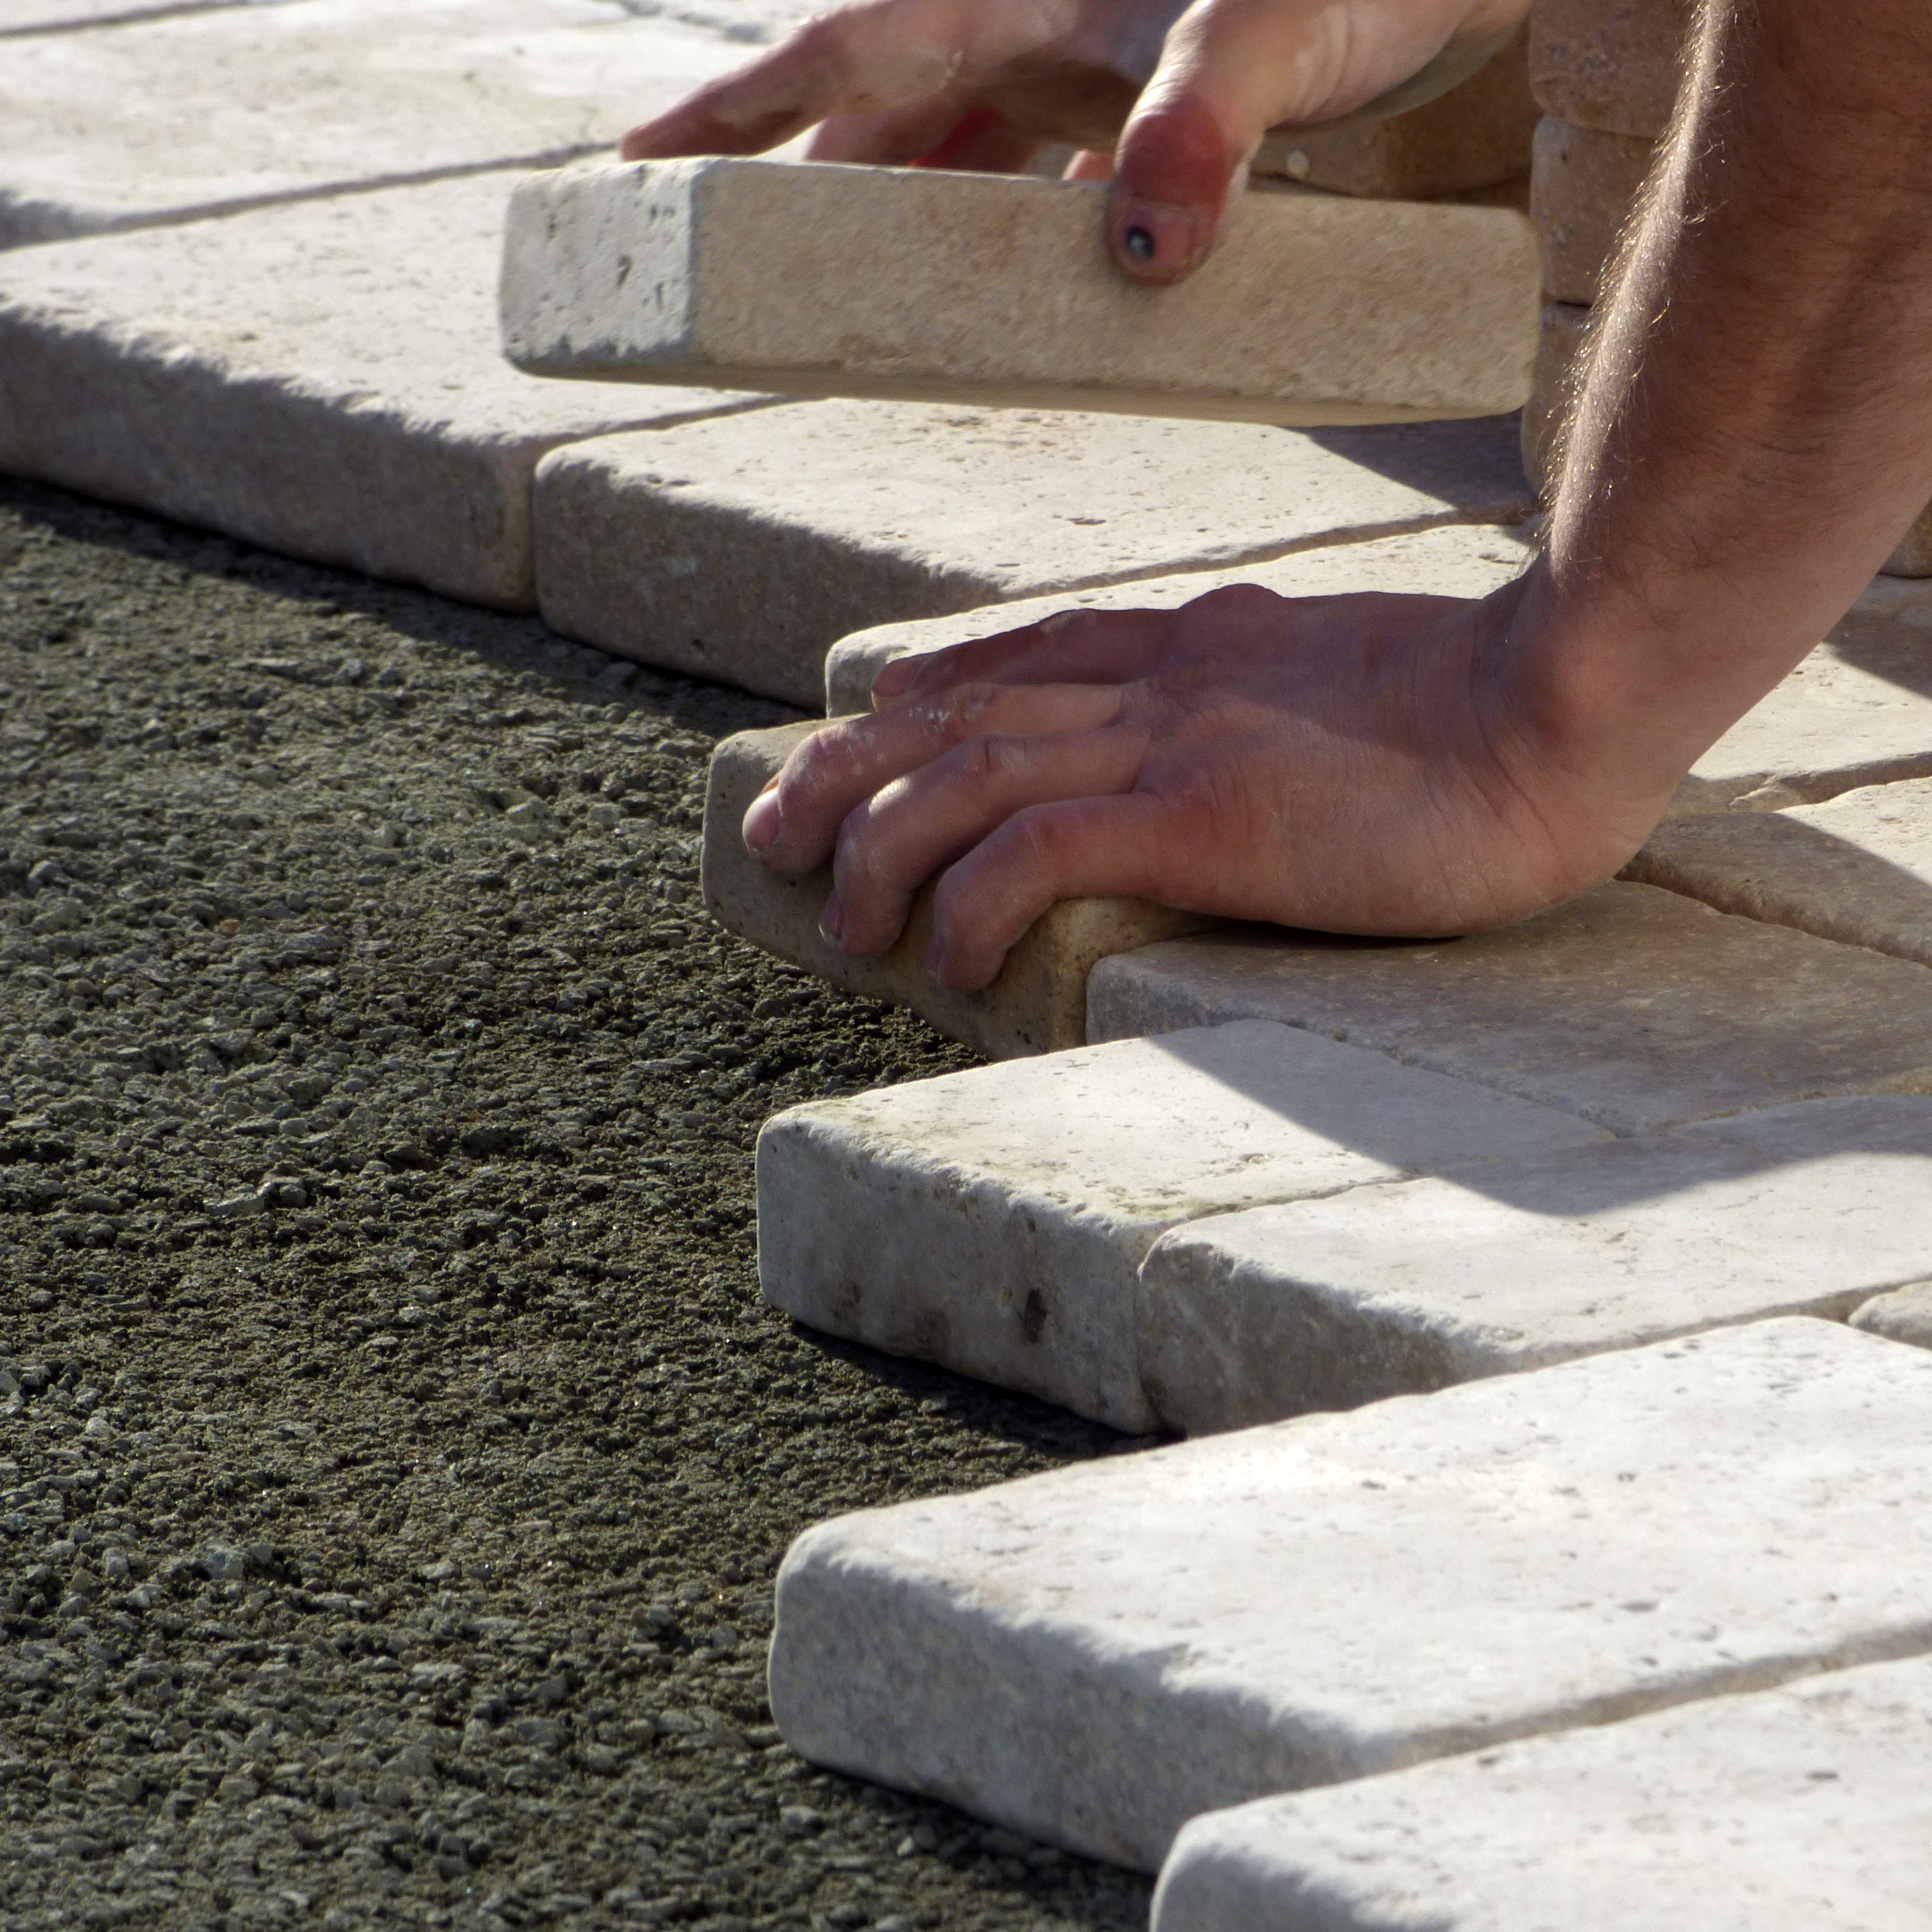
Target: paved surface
(400,1550)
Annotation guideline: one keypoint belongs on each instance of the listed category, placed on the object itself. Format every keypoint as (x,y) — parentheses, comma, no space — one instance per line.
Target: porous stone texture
(1324,1304)
(995,1221)
(1037,1004)
(1615,65)
(227,107)
(1581,189)
(1776,1812)
(923,285)
(1475,136)
(1096,1656)
(1455,560)
(1630,1006)
(1904,1315)
(320,377)
(743,551)
(1858,869)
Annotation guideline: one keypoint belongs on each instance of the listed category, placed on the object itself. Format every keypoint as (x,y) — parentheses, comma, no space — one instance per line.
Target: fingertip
(1157,243)
(764,820)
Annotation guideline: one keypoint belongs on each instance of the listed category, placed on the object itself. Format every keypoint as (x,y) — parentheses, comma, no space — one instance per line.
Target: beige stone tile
(1097,1655)
(321,377)
(1036,1005)
(1630,1006)
(1777,1811)
(922,285)
(1903,1314)
(743,551)
(1610,64)
(229,107)
(1581,189)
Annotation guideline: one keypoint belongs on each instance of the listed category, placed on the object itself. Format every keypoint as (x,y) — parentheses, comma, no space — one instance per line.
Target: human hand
(1371,764)
(986,84)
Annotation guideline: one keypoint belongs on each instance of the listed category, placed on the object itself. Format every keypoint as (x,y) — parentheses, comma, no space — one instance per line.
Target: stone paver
(1630,1006)
(1610,64)
(55,16)
(232,106)
(742,551)
(1097,1655)
(1038,1004)
(1246,1318)
(1904,1315)
(1455,560)
(1581,189)
(995,1221)
(1858,869)
(1785,1810)
(925,285)
(322,378)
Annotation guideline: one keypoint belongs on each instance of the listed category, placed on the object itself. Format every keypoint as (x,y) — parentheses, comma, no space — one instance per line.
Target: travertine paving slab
(1630,1006)
(1858,869)
(1904,1315)
(1097,1655)
(1581,189)
(995,1221)
(927,285)
(1038,1004)
(55,16)
(1247,1317)
(320,378)
(1785,1810)
(1455,560)
(227,107)
(743,551)
(1610,64)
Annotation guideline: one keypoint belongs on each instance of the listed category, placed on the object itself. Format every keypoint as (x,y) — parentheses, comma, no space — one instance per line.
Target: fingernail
(1155,238)
(764,822)
(832,918)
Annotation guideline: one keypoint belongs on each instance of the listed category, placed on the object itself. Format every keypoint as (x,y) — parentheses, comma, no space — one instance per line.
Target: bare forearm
(1755,432)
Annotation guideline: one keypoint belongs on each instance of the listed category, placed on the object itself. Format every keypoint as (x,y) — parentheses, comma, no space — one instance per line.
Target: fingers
(1070,647)
(793,827)
(892,843)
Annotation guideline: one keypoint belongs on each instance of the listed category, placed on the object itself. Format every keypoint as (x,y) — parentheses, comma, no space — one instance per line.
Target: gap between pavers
(1785,1811)
(1630,1006)
(1247,1317)
(995,1221)
(1037,1004)
(321,378)
(1095,1656)
(202,112)
(742,551)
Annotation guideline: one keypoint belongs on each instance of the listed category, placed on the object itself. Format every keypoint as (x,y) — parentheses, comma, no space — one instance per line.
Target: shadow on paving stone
(395,1450)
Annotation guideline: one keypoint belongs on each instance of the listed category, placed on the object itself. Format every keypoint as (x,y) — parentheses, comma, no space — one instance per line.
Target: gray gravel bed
(394,1450)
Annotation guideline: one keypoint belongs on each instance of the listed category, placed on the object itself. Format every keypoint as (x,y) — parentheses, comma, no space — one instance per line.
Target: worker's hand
(1367,764)
(986,84)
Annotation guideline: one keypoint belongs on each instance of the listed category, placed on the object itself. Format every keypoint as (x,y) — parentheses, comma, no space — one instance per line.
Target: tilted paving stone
(1582,188)
(1630,1006)
(995,1221)
(742,551)
(1783,1810)
(1903,1314)
(204,111)
(1038,1004)
(1858,869)
(1095,1656)
(1615,65)
(322,378)
(925,285)
(1811,1210)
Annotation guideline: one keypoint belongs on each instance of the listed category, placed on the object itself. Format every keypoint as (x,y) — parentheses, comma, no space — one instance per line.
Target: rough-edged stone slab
(1096,1656)
(1785,1810)
(229,107)
(1633,1007)
(1246,1318)
(1455,560)
(743,552)
(994,1221)
(321,378)
(922,285)
(1582,190)
(1615,65)
(1038,1004)
(1904,1315)
(1858,869)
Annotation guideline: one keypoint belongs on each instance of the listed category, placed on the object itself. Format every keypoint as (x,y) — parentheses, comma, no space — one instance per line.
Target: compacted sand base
(394,1450)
